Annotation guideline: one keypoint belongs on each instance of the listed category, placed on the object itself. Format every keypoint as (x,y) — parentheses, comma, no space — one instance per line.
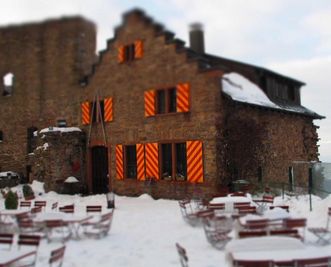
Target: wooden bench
(57,256)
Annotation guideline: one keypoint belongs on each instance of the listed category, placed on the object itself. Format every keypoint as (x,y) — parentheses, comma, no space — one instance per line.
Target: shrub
(28,192)
(11,201)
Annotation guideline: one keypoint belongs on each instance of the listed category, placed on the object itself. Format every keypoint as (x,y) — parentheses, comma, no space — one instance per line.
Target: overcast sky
(292,37)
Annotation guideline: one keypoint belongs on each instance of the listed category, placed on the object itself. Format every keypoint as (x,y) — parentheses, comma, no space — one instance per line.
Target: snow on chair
(57,230)
(189,215)
(57,256)
(182,255)
(267,200)
(99,228)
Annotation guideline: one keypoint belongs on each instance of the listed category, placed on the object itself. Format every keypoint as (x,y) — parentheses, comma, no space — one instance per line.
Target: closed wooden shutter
(121,54)
(194,161)
(149,103)
(152,160)
(108,108)
(138,49)
(140,148)
(119,162)
(85,107)
(183,97)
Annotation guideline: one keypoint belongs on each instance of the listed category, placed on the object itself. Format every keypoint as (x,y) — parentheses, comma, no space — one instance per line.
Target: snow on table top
(220,200)
(283,255)
(263,243)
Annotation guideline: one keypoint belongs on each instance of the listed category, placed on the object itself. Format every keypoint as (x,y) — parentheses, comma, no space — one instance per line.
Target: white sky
(292,37)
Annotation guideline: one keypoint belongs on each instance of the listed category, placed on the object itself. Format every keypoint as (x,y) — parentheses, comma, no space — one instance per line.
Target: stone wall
(47,60)
(58,156)
(268,139)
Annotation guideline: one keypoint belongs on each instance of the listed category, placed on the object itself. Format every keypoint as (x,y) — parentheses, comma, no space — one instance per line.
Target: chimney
(196,38)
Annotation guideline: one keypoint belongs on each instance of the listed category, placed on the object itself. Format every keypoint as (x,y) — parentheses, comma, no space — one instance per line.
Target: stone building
(154,114)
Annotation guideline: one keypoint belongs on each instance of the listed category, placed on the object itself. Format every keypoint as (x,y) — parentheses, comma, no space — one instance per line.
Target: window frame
(167,100)
(125,162)
(174,162)
(94,111)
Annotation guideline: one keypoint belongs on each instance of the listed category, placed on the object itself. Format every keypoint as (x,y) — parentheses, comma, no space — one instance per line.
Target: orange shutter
(152,160)
(194,161)
(138,49)
(121,54)
(85,106)
(119,162)
(149,103)
(183,97)
(140,162)
(108,108)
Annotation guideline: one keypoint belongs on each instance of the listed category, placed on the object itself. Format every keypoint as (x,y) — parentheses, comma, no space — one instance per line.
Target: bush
(11,201)
(28,192)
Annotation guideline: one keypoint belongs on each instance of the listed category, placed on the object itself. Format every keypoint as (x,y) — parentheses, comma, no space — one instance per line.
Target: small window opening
(97,110)
(1,136)
(61,123)
(31,145)
(166,101)
(8,83)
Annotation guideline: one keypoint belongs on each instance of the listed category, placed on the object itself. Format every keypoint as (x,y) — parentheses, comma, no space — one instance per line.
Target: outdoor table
(229,201)
(284,255)
(8,257)
(275,216)
(74,221)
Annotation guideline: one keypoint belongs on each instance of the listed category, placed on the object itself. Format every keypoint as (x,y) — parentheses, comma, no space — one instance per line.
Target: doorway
(99,156)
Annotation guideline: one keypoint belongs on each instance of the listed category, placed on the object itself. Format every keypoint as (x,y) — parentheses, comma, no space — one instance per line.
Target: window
(173,161)
(1,136)
(129,52)
(61,123)
(98,111)
(166,101)
(8,83)
(130,162)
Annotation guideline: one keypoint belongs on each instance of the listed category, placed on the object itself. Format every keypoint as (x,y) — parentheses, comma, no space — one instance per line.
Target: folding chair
(188,214)
(29,226)
(254,233)
(93,209)
(28,240)
(7,239)
(25,204)
(54,206)
(67,208)
(253,263)
(35,210)
(267,200)
(182,255)
(40,203)
(57,230)
(57,256)
(100,228)
(296,223)
(314,262)
(286,232)
(216,230)
(323,234)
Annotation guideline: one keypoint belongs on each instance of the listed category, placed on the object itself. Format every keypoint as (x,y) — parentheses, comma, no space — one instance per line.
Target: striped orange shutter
(85,106)
(149,103)
(183,97)
(108,108)
(140,162)
(121,54)
(152,160)
(138,49)
(119,162)
(194,161)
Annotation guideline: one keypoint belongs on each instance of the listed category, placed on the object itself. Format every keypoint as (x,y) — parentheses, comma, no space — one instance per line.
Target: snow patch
(60,129)
(71,179)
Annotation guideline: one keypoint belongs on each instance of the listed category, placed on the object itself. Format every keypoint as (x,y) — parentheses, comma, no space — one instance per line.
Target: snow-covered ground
(144,233)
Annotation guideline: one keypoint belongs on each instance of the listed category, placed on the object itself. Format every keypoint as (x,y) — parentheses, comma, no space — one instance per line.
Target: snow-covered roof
(240,89)
(60,129)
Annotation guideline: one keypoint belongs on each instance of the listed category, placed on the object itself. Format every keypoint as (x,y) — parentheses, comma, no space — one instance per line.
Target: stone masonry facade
(56,70)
